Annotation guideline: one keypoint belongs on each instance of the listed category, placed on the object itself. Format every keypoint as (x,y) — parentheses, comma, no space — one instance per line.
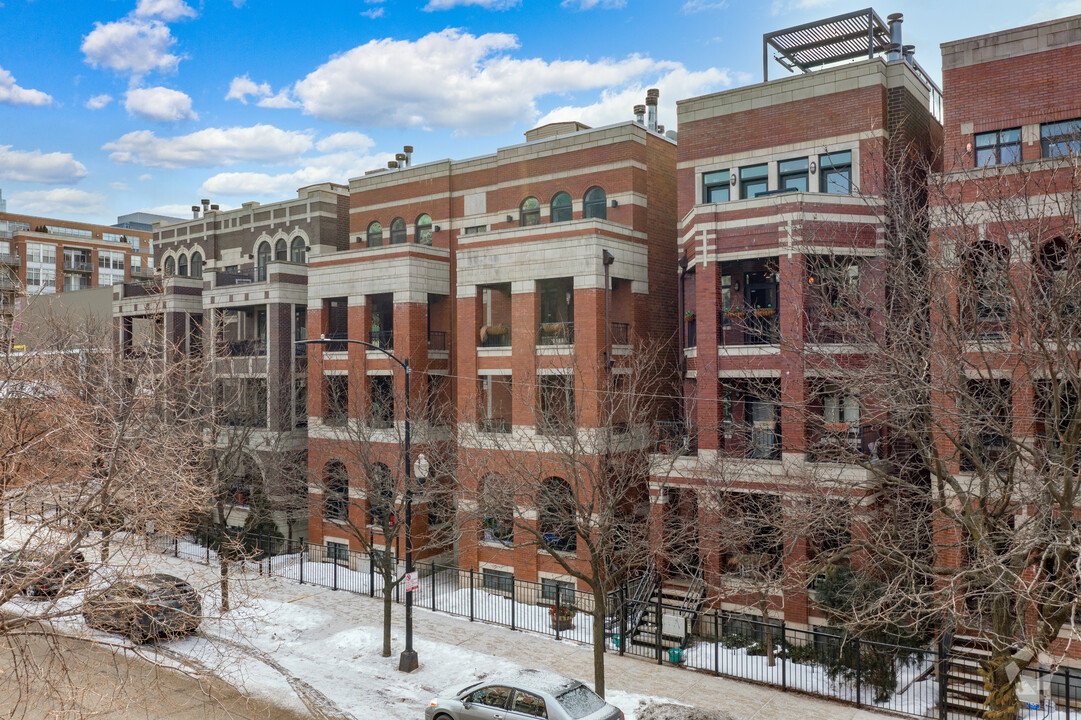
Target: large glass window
(397,231)
(182,265)
(998,147)
(753,181)
(423,231)
(562,208)
(297,252)
(196,264)
(375,234)
(336,500)
(281,250)
(529,212)
(170,266)
(262,258)
(595,204)
(716,186)
(835,173)
(1060,138)
(792,174)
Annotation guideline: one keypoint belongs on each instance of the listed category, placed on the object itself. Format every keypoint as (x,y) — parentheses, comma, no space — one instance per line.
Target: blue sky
(115,106)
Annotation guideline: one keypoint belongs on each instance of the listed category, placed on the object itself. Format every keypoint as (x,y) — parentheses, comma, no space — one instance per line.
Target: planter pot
(563,623)
(675,655)
(765,312)
(734,314)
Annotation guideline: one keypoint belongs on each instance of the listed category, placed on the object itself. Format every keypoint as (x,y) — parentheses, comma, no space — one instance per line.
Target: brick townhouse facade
(234,289)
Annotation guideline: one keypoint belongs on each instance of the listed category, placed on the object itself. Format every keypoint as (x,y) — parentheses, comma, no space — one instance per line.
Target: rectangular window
(112,237)
(70,232)
(337,552)
(556,404)
(474,229)
(998,147)
(792,174)
(337,399)
(1060,139)
(835,173)
(753,181)
(716,186)
(381,400)
(498,581)
(550,587)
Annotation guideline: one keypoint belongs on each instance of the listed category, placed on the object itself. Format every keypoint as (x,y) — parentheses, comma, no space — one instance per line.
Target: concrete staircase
(965,695)
(681,601)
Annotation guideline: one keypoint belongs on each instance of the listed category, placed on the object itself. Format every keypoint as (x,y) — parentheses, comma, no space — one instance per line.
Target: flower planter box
(563,623)
(734,314)
(764,312)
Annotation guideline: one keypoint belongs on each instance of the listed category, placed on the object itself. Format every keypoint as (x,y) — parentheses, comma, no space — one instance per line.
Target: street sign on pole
(411,581)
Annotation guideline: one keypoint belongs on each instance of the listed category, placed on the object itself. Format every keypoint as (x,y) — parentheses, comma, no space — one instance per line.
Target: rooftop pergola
(842,37)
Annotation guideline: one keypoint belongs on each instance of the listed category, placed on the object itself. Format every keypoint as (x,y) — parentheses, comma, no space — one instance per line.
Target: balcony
(437,340)
(382,339)
(756,326)
(142,272)
(10,259)
(839,442)
(229,279)
(495,336)
(246,348)
(675,437)
(621,333)
(555,333)
(8,283)
(758,440)
(838,324)
(494,425)
(78,266)
(336,342)
(141,289)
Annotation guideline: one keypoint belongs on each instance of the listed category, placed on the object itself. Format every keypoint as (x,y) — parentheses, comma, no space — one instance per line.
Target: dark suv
(41,573)
(145,607)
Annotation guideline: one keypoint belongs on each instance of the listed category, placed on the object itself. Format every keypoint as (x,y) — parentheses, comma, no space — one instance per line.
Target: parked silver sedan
(526,694)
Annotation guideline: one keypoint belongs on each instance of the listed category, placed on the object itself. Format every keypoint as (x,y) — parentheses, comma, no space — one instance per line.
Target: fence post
(208,550)
(513,602)
(716,643)
(784,654)
(470,593)
(1067,703)
(623,639)
(859,673)
(176,547)
(943,671)
(558,593)
(371,575)
(657,628)
(301,563)
(431,579)
(336,570)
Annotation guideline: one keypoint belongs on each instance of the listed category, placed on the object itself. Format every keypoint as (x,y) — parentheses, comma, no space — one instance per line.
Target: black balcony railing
(555,333)
(839,442)
(621,333)
(246,348)
(10,259)
(838,324)
(675,437)
(141,289)
(756,326)
(492,336)
(437,340)
(382,339)
(336,341)
(78,266)
(228,279)
(494,425)
(758,441)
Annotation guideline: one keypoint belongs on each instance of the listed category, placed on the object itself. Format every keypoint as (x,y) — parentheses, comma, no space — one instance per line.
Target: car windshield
(580,701)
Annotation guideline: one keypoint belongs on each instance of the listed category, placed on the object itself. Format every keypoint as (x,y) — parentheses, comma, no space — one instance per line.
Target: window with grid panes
(792,174)
(753,181)
(716,186)
(998,147)
(835,173)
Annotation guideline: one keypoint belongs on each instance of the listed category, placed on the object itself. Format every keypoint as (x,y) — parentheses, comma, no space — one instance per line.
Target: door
(487,703)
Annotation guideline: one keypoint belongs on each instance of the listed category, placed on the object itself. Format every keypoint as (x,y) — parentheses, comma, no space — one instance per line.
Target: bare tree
(966,374)
(574,482)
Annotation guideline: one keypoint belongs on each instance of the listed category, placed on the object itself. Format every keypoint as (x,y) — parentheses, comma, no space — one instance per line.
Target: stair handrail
(637,597)
(692,603)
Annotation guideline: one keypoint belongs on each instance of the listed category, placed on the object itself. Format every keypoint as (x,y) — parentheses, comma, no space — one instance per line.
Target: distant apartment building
(489,275)
(777,186)
(233,288)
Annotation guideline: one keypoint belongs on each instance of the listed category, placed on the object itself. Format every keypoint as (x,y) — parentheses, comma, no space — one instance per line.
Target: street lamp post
(408,661)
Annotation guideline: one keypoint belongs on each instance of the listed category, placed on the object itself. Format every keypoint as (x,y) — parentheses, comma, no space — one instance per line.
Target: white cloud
(335,167)
(617,105)
(486,4)
(591,4)
(241,87)
(345,141)
(145,176)
(12,94)
(178,211)
(167,10)
(39,167)
(373,13)
(783,7)
(1052,11)
(98,102)
(159,104)
(119,185)
(210,147)
(479,89)
(279,101)
(59,201)
(131,46)
(694,6)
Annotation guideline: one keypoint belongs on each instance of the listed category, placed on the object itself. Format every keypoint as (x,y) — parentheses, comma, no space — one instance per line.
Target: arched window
(558,518)
(529,212)
(497,504)
(196,264)
(596,204)
(423,231)
(182,265)
(170,266)
(262,259)
(281,250)
(375,234)
(381,494)
(397,231)
(562,209)
(299,255)
(336,491)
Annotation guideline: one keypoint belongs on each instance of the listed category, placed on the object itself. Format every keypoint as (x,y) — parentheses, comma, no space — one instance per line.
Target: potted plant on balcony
(734,313)
(562,617)
(768,311)
(492,331)
(688,315)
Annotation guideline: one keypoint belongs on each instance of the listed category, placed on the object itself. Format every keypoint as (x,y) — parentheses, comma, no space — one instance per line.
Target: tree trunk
(388,608)
(105,545)
(599,610)
(1002,702)
(771,660)
(224,567)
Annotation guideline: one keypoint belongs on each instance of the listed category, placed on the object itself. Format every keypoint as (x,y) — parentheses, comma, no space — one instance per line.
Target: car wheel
(442,716)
